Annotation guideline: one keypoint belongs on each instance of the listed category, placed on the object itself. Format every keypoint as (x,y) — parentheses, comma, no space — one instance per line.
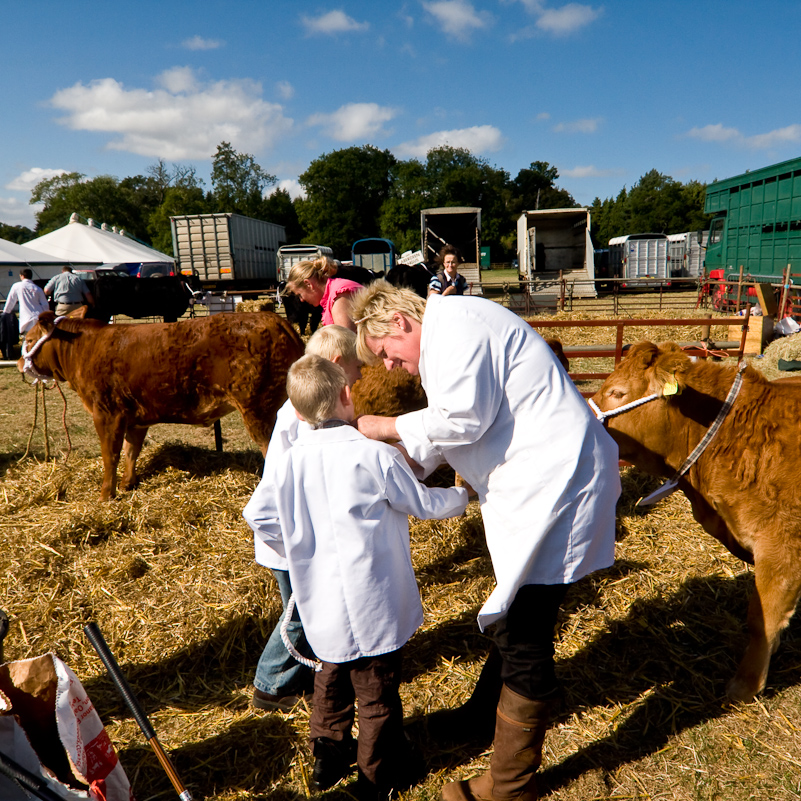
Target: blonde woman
(316,283)
(505,415)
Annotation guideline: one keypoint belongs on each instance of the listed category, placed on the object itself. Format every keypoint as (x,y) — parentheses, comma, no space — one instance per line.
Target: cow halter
(28,366)
(672,484)
(620,409)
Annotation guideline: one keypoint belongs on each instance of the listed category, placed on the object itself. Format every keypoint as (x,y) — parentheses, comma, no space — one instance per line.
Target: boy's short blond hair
(331,341)
(373,310)
(314,385)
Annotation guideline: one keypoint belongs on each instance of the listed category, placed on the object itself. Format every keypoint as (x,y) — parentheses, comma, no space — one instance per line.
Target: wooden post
(739,289)
(785,292)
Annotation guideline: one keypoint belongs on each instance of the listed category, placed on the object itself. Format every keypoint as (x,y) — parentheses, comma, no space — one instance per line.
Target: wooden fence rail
(702,348)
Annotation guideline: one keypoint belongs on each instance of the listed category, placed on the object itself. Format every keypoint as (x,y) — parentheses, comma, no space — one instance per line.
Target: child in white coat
(280,679)
(342,506)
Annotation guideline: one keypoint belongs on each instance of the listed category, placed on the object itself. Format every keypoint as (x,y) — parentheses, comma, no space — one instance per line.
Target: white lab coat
(32,302)
(506,416)
(261,508)
(343,503)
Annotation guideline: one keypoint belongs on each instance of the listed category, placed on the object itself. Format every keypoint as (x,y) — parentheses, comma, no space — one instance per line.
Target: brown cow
(130,377)
(744,488)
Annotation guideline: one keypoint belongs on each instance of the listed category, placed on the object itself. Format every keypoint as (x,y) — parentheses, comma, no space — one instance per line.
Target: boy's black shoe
(332,760)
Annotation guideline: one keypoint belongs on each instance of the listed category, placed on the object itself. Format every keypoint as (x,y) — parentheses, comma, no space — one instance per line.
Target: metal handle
(107,658)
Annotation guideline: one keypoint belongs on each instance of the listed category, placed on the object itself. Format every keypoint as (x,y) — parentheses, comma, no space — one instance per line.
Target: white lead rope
(28,365)
(314,664)
(620,409)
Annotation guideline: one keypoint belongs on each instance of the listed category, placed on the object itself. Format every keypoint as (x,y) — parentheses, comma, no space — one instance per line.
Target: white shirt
(343,503)
(286,430)
(505,415)
(32,302)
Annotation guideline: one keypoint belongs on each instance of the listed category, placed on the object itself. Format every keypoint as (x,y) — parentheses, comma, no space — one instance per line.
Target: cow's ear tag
(671,388)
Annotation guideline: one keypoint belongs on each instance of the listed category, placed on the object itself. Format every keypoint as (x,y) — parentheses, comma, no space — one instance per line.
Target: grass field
(644,649)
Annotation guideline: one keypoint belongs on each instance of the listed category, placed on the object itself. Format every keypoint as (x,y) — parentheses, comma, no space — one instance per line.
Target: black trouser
(525,641)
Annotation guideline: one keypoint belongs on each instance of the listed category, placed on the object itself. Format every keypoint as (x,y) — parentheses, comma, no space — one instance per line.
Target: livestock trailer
(227,251)
(378,255)
(288,255)
(686,254)
(636,257)
(553,243)
(459,226)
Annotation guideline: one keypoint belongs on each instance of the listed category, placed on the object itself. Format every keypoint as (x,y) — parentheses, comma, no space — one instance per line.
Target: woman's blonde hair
(373,310)
(314,385)
(331,341)
(319,270)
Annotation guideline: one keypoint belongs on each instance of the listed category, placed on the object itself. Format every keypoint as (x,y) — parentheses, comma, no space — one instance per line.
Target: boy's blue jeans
(277,672)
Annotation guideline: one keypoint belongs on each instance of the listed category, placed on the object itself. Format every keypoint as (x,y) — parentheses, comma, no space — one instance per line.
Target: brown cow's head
(647,369)
(45,325)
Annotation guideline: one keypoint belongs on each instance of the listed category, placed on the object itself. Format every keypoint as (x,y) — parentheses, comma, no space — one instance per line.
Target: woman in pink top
(317,284)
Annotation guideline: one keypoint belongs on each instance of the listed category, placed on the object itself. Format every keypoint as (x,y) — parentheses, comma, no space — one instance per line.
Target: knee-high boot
(520,728)
(475,719)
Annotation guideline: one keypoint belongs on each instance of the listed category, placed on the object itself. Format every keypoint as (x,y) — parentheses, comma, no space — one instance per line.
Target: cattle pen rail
(701,348)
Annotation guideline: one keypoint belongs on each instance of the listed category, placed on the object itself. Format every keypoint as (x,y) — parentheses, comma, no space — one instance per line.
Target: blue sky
(603,91)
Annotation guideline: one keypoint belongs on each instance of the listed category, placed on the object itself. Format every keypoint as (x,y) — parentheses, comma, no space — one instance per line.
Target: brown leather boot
(520,728)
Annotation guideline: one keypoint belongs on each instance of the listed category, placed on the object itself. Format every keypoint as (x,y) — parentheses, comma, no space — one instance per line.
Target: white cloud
(588,171)
(543,115)
(458,18)
(478,139)
(568,19)
(791,134)
(333,22)
(199,43)
(178,80)
(285,90)
(26,181)
(292,186)
(17,212)
(578,126)
(556,21)
(781,136)
(184,119)
(354,121)
(714,133)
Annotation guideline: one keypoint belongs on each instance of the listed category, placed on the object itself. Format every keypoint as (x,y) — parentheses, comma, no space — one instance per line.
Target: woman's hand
(375,427)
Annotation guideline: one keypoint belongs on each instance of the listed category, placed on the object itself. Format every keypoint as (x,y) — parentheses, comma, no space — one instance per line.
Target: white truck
(227,251)
(554,241)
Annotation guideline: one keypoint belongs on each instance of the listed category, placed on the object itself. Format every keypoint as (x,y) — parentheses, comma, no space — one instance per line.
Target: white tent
(14,257)
(12,254)
(85,243)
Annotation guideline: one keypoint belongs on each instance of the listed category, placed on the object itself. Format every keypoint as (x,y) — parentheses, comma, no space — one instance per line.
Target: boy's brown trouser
(374,682)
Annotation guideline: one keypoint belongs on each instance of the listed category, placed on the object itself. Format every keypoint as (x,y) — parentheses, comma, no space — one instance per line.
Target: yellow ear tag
(671,388)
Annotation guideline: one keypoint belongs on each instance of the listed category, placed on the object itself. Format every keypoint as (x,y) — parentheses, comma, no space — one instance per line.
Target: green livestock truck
(757,224)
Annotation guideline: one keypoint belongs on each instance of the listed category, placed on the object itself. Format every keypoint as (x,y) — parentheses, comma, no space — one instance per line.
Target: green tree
(409,192)
(103,199)
(345,190)
(535,188)
(278,208)
(178,201)
(238,182)
(16,233)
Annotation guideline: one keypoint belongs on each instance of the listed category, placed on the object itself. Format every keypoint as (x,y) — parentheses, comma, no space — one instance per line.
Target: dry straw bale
(787,348)
(258,305)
